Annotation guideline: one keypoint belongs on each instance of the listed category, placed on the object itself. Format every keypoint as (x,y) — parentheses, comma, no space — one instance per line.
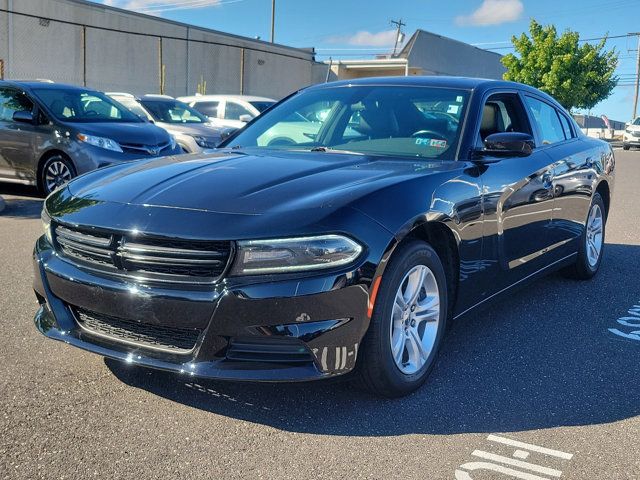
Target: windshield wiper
(334,150)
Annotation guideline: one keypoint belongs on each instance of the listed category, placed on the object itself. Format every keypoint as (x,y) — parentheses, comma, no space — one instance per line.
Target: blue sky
(360,28)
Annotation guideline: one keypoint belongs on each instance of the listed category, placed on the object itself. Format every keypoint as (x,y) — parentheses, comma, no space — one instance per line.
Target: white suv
(631,137)
(229,110)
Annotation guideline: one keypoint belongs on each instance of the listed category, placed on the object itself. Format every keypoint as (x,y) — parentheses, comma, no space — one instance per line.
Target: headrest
(490,114)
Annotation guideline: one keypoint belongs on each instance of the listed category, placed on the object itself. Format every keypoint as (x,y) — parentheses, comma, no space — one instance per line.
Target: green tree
(577,76)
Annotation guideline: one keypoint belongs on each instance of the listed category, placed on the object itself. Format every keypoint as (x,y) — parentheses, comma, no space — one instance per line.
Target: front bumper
(322,318)
(630,139)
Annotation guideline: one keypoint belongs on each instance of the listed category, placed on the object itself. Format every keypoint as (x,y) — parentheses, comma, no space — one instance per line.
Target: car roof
(464,83)
(44,84)
(206,98)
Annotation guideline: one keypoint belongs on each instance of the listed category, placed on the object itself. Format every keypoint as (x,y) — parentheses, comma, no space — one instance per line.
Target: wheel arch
(443,240)
(605,192)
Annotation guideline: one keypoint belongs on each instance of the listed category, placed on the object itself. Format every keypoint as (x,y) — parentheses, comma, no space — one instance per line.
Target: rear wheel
(591,242)
(408,322)
(56,171)
(626,147)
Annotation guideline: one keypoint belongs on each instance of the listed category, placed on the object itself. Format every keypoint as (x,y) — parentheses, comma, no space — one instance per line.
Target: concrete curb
(1,204)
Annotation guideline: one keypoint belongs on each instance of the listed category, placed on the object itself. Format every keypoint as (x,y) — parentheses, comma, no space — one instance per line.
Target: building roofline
(122,11)
(407,48)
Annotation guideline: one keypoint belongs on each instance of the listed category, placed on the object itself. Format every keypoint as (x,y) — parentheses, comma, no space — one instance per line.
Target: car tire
(56,171)
(626,147)
(380,372)
(591,241)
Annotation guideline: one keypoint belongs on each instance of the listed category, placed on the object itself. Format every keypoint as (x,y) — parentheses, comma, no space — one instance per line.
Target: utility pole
(635,98)
(399,24)
(273,20)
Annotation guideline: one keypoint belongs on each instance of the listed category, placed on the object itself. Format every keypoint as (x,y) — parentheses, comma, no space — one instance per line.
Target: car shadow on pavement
(21,201)
(541,358)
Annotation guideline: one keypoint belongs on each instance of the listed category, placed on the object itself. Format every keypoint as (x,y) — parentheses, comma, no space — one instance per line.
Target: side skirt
(532,276)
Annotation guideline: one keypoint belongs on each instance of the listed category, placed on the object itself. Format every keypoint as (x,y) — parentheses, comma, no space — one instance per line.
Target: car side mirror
(24,116)
(246,118)
(507,144)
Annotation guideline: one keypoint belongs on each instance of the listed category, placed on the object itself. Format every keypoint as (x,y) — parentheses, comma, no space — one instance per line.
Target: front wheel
(56,171)
(408,322)
(591,242)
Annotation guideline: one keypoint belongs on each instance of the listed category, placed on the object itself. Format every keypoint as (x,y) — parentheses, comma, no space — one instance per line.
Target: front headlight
(46,225)
(172,141)
(100,142)
(287,255)
(201,141)
(627,130)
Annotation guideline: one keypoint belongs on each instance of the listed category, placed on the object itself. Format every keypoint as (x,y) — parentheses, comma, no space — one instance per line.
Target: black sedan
(414,201)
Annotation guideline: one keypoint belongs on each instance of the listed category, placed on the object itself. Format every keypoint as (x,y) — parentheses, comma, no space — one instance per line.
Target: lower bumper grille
(268,351)
(174,340)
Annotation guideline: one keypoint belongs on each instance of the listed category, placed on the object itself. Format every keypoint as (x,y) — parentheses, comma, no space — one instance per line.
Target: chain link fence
(110,58)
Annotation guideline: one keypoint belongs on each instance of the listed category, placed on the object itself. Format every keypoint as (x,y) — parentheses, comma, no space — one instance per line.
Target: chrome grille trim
(146,149)
(83,237)
(145,258)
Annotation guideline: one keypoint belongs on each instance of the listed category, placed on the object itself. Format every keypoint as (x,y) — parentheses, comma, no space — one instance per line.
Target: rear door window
(565,126)
(547,121)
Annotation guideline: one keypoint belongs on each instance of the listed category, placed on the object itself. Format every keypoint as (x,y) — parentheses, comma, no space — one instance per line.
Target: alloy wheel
(415,319)
(56,175)
(594,235)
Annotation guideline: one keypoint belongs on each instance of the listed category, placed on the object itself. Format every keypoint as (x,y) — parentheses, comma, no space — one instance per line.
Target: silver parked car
(192,130)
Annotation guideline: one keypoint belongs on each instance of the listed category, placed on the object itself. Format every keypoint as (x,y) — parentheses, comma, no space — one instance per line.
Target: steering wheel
(429,134)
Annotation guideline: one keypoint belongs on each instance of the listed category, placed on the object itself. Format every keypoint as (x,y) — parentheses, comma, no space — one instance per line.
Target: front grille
(145,257)
(636,133)
(156,337)
(139,148)
(269,350)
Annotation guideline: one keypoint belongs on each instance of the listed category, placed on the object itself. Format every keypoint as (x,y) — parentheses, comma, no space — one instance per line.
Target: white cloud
(159,6)
(493,12)
(367,39)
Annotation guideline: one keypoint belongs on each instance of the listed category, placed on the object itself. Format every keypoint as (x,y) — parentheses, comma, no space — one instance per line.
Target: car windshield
(636,121)
(172,111)
(133,105)
(261,106)
(83,106)
(377,120)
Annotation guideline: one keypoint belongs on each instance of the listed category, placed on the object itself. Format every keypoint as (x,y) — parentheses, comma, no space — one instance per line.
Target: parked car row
(51,132)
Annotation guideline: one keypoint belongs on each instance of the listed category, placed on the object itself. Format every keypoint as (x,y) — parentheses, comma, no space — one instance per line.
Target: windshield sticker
(454,109)
(431,142)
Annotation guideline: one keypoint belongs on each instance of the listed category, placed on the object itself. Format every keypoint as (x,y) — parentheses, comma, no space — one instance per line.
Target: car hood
(201,129)
(142,133)
(250,183)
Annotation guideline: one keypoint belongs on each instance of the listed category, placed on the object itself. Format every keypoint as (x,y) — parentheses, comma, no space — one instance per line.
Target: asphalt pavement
(546,379)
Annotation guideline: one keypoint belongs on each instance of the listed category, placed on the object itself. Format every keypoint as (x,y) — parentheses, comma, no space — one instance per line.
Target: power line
(610,37)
